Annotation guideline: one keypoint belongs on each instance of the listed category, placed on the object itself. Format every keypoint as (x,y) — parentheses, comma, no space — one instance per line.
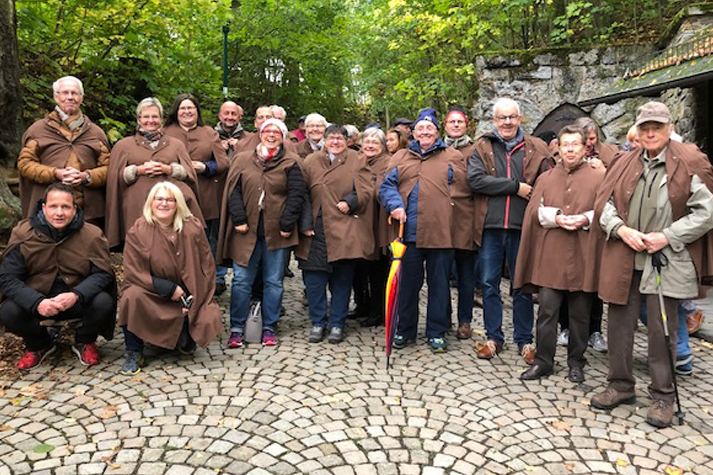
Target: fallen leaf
(115,466)
(109,412)
(560,425)
(43,448)
(80,392)
(5,427)
(673,470)
(622,463)
(34,391)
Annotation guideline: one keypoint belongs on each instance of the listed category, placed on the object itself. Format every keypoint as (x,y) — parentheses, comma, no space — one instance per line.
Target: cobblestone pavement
(335,409)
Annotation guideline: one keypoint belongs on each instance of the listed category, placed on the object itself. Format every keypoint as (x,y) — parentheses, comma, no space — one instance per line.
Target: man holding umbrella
(654,201)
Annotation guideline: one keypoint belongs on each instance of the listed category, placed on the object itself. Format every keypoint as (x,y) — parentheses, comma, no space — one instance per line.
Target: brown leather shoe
(660,413)
(464,331)
(694,322)
(487,350)
(611,398)
(528,353)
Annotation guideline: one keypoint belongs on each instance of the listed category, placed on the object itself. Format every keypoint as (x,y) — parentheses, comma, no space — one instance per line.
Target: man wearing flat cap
(403,125)
(656,199)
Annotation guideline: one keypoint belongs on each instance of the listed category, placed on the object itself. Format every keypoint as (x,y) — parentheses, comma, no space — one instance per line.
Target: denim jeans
(340,285)
(273,271)
(438,263)
(496,245)
(213,226)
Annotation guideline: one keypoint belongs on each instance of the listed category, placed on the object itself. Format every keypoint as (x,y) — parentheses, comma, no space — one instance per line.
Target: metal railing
(700,46)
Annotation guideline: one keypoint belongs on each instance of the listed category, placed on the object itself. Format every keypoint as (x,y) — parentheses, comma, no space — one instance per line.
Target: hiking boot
(694,322)
(660,413)
(132,364)
(464,331)
(32,358)
(597,342)
(438,345)
(487,350)
(611,398)
(336,335)
(401,342)
(684,365)
(528,353)
(269,338)
(316,334)
(236,340)
(563,338)
(87,353)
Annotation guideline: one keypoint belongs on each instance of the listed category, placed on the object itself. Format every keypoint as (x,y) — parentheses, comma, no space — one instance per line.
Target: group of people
(574,220)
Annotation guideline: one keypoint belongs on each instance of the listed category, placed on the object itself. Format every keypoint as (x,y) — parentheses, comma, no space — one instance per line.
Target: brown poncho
(183,258)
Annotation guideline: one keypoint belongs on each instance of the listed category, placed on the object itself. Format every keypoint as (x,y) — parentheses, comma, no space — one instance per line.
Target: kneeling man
(57,267)
(556,237)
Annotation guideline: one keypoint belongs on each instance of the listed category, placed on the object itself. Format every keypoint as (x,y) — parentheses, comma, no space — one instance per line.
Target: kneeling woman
(169,279)
(262,203)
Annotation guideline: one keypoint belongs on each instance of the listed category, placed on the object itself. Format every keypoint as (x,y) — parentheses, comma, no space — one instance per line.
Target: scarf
(316,146)
(226,133)
(510,144)
(459,142)
(74,122)
(152,136)
(266,156)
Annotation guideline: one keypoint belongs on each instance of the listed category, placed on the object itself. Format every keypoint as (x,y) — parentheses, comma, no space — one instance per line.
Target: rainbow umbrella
(397,248)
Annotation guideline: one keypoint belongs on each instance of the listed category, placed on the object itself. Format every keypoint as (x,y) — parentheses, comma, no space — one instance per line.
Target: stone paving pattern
(335,409)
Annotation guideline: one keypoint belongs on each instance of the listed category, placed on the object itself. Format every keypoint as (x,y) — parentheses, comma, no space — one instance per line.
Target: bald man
(229,128)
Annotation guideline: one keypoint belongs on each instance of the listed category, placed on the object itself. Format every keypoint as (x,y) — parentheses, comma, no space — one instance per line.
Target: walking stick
(659,260)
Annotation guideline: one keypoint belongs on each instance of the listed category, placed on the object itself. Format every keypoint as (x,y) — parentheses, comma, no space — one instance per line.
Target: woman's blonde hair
(182,211)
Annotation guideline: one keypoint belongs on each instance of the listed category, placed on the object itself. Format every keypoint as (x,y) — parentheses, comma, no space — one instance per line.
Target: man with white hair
(315,126)
(278,112)
(65,146)
(501,172)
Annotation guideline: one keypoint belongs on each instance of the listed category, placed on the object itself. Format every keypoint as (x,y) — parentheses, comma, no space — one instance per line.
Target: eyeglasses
(187,108)
(336,138)
(315,126)
(504,118)
(570,144)
(69,93)
(161,199)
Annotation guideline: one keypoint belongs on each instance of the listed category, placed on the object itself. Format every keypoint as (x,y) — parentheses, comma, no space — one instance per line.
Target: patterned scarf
(151,136)
(458,142)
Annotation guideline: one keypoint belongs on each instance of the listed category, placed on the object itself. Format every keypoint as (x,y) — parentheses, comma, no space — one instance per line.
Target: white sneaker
(597,342)
(563,338)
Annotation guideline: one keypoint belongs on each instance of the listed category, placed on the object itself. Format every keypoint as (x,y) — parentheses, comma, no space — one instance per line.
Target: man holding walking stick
(655,199)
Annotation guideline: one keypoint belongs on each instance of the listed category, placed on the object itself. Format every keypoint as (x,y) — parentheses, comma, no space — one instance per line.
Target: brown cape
(554,258)
(71,258)
(537,160)
(612,277)
(247,169)
(203,145)
(188,262)
(384,232)
(463,204)
(83,151)
(348,236)
(125,203)
(606,152)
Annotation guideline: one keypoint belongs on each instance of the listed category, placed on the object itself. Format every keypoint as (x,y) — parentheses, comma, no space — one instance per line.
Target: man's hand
(399,214)
(198,166)
(565,222)
(285,235)
(178,293)
(308,233)
(242,229)
(596,163)
(48,308)
(524,191)
(655,242)
(69,176)
(65,300)
(633,238)
(343,207)
(225,144)
(232,141)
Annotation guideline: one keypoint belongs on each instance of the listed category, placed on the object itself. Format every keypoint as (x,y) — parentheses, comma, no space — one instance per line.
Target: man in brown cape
(57,267)
(655,199)
(552,258)
(65,146)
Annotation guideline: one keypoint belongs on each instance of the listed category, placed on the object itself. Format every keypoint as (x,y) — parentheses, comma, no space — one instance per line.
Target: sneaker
(438,345)
(694,322)
(684,365)
(487,350)
(236,340)
(597,342)
(32,358)
(336,335)
(87,353)
(563,338)
(660,413)
(132,364)
(401,342)
(316,334)
(528,353)
(269,338)
(464,331)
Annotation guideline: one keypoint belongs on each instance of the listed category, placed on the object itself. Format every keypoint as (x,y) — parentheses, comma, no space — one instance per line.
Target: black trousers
(580,304)
(595,319)
(23,324)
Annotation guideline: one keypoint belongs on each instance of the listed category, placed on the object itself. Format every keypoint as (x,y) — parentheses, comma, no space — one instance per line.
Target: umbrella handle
(401,229)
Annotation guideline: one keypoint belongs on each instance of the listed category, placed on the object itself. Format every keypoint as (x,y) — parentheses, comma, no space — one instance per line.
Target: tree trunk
(10,105)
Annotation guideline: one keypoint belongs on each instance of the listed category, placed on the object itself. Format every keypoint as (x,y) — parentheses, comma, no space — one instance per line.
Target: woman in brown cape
(167,294)
(139,162)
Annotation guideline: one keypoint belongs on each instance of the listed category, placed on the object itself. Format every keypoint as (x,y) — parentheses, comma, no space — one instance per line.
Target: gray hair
(149,102)
(375,133)
(587,124)
(278,110)
(504,102)
(74,79)
(315,117)
(351,130)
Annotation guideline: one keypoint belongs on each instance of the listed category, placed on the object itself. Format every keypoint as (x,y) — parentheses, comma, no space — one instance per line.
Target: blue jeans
(340,286)
(496,245)
(438,263)
(683,348)
(273,271)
